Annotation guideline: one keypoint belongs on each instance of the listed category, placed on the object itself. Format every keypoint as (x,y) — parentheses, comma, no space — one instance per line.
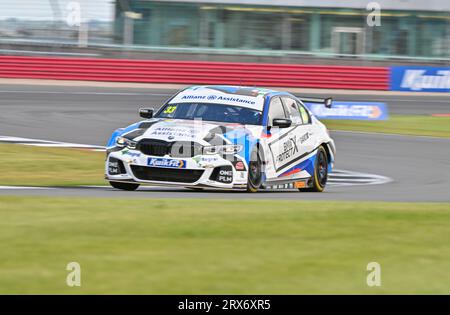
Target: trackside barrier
(195,72)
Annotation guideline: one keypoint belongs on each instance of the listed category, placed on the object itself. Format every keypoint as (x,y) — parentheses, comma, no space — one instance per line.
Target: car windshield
(211,112)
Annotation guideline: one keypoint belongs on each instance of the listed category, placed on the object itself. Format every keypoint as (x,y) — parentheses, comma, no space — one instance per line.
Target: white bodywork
(283,148)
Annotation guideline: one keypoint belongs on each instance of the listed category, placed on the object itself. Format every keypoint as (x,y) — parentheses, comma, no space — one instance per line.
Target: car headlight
(124,142)
(222,149)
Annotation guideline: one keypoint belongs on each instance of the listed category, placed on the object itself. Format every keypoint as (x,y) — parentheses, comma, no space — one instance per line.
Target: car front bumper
(200,171)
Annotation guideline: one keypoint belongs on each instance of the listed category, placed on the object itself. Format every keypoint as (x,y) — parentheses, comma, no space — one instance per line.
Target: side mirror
(328,102)
(146,112)
(281,122)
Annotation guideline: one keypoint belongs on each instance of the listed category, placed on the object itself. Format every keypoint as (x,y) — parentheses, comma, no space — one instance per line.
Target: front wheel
(124,186)
(255,173)
(320,176)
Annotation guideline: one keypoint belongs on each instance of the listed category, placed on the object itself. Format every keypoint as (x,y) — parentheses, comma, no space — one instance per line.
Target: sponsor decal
(219,98)
(350,111)
(193,97)
(290,148)
(225,176)
(235,99)
(420,79)
(285,150)
(113,168)
(299,185)
(206,161)
(226,96)
(305,137)
(240,166)
(173,132)
(168,163)
(129,153)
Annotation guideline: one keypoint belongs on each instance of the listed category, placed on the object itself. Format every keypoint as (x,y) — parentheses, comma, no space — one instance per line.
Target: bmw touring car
(226,137)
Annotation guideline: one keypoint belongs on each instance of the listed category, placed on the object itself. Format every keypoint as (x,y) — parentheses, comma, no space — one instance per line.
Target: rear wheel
(124,186)
(319,180)
(255,172)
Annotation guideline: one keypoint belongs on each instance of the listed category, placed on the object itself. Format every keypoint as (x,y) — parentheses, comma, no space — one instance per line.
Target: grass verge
(229,247)
(419,125)
(38,166)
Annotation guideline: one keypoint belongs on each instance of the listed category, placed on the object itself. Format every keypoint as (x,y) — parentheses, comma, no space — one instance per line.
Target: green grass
(37,166)
(420,125)
(222,247)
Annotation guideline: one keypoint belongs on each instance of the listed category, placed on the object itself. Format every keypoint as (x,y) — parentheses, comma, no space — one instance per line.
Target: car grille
(179,149)
(166,174)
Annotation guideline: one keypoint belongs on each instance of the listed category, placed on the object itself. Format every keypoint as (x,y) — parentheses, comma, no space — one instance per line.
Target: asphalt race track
(418,166)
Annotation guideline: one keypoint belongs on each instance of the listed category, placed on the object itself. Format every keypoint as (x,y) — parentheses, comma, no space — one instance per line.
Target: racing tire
(255,172)
(124,186)
(319,180)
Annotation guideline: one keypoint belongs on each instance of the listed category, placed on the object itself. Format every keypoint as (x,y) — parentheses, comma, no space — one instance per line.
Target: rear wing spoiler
(327,102)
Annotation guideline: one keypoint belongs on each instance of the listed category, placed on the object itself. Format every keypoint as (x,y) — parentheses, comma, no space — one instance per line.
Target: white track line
(23,187)
(47,143)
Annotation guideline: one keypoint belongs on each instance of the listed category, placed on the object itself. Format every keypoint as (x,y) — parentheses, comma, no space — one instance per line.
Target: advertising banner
(350,110)
(420,79)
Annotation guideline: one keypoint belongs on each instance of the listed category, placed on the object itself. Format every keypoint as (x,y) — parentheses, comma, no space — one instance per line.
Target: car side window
(276,110)
(306,118)
(292,110)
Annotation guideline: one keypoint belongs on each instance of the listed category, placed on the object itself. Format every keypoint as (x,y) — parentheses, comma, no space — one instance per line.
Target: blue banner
(420,79)
(350,110)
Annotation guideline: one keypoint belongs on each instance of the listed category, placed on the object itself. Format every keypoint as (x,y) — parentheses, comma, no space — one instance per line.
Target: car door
(276,110)
(305,129)
(289,146)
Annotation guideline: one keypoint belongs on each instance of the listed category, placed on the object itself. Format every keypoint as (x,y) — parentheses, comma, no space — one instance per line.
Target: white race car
(226,137)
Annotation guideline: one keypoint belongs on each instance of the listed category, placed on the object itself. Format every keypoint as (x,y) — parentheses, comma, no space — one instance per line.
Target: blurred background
(326,31)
